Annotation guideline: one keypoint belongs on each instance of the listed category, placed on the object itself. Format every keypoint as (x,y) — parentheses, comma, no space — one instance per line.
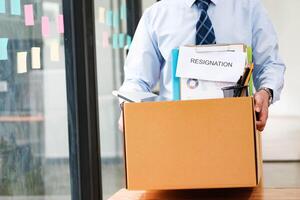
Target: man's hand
(261,99)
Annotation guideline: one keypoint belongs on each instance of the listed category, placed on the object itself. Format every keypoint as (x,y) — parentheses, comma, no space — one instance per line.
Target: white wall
(281,139)
(285,16)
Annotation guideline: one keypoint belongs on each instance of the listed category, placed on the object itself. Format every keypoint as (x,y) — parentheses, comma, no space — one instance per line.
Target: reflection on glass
(34,158)
(112,44)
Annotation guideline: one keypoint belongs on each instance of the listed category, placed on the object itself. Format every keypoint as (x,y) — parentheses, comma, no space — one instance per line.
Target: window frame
(82,98)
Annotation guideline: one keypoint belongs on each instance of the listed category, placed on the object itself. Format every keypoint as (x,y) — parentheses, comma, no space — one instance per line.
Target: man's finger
(260,126)
(258,103)
(262,119)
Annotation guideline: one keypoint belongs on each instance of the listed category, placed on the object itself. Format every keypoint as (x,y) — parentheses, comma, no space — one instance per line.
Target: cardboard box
(191,144)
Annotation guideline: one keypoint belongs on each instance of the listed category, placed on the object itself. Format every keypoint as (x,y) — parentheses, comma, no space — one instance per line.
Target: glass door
(112,43)
(115,23)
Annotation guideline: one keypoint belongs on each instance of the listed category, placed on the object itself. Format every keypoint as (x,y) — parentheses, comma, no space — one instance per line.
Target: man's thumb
(258,104)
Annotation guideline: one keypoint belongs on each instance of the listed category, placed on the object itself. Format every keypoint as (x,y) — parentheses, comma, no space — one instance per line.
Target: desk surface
(216,194)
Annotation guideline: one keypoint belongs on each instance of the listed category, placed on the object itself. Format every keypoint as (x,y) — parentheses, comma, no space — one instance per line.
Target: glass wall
(34,145)
(112,44)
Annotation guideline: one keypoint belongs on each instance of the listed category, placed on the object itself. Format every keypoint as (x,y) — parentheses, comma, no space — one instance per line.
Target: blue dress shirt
(170,24)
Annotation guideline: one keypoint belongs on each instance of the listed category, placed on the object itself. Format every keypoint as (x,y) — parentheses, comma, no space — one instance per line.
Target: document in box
(203,73)
(225,66)
(198,89)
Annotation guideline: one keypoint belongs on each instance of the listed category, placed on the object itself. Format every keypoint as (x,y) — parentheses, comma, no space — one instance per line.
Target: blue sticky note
(109,17)
(129,40)
(15,7)
(115,41)
(123,11)
(121,40)
(2,6)
(116,20)
(3,48)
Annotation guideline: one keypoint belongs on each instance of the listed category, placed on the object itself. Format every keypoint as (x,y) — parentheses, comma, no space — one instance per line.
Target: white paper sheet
(199,89)
(224,66)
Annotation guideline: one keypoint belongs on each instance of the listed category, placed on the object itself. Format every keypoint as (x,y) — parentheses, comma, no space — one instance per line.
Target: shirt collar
(190,3)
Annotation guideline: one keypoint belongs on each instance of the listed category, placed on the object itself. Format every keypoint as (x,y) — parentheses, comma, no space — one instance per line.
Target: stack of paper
(200,72)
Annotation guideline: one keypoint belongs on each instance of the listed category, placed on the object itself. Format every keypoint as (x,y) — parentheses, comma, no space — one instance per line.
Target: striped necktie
(205,33)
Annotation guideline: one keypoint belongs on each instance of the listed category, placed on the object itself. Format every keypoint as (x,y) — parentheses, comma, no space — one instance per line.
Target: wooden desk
(223,194)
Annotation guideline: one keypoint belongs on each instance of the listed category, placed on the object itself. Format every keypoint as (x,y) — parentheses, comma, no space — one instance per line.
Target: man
(172,23)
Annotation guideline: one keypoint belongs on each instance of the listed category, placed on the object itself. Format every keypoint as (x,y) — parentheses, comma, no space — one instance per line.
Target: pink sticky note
(28,12)
(60,24)
(45,26)
(105,39)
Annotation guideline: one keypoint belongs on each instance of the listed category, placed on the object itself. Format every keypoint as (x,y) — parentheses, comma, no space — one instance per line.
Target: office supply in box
(136,97)
(175,79)
(200,72)
(235,91)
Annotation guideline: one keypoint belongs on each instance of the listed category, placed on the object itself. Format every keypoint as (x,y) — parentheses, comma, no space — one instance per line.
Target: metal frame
(134,13)
(85,165)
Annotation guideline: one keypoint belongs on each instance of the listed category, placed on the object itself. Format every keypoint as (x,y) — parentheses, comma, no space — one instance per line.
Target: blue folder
(175,80)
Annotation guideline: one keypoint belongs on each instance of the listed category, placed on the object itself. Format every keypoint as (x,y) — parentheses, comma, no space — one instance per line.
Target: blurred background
(34,142)
(34,146)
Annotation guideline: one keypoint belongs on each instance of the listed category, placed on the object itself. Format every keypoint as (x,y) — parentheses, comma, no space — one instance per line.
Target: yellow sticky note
(54,51)
(21,62)
(36,58)
(101,11)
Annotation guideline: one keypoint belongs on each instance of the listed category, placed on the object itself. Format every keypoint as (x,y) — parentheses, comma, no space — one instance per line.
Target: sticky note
(115,41)
(15,7)
(28,12)
(3,86)
(2,6)
(128,41)
(3,48)
(54,51)
(109,17)
(121,40)
(105,39)
(36,58)
(101,11)
(123,13)
(60,24)
(116,20)
(21,62)
(45,26)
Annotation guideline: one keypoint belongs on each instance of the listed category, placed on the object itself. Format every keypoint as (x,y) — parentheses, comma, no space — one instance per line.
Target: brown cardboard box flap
(190,144)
